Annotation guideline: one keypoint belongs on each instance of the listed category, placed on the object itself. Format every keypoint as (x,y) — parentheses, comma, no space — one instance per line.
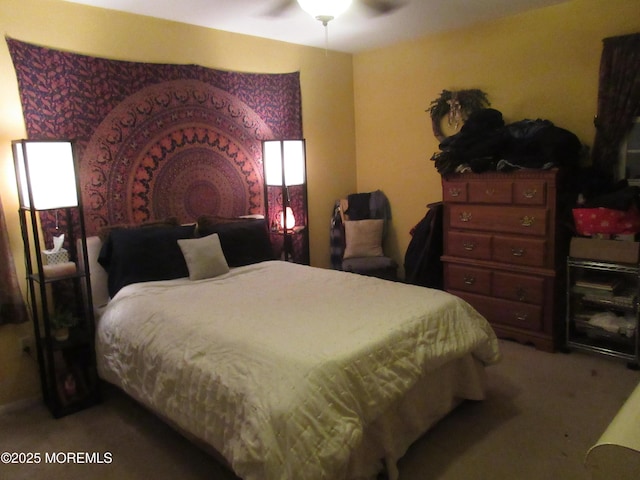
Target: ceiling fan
(326,10)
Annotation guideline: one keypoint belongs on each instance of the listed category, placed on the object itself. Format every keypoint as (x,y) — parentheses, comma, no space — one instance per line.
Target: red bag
(591,221)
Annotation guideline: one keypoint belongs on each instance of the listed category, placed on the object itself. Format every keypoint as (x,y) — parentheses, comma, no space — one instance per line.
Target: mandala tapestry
(157,140)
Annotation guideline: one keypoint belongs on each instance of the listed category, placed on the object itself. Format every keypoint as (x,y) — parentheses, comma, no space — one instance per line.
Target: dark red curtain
(618,98)
(12,307)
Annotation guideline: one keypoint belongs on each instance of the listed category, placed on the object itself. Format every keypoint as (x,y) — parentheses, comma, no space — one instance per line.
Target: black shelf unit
(67,368)
(603,309)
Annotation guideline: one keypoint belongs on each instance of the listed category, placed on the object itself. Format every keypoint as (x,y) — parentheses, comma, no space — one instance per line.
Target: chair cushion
(367,264)
(381,267)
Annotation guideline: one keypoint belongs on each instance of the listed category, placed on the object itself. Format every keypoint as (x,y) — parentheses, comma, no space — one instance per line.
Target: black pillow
(143,255)
(243,242)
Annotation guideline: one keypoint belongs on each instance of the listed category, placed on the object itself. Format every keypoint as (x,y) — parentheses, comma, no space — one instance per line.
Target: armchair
(358,228)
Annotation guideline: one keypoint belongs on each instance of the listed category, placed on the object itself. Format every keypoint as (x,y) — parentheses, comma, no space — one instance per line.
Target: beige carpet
(542,413)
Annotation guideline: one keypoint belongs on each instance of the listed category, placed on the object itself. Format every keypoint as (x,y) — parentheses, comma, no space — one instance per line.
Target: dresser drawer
(490,192)
(520,220)
(454,192)
(468,245)
(530,192)
(506,312)
(519,250)
(468,279)
(516,287)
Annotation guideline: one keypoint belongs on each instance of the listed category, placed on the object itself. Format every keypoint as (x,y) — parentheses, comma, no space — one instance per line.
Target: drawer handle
(531,193)
(521,294)
(518,252)
(527,221)
(455,192)
(522,317)
(465,216)
(469,280)
(490,191)
(468,246)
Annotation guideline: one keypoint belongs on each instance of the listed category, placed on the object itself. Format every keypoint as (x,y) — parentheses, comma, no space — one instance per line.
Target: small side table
(292,246)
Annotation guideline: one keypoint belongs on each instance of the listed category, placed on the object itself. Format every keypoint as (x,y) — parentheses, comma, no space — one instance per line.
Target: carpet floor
(542,413)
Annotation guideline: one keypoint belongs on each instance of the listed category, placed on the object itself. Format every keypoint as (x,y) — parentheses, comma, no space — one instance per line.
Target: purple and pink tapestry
(157,140)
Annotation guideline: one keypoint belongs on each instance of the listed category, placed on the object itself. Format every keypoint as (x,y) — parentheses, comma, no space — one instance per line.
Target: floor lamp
(285,166)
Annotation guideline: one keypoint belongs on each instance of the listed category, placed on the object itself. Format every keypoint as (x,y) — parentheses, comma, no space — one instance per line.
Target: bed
(286,371)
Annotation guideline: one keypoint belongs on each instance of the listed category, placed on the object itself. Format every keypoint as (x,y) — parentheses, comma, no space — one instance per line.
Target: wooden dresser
(503,252)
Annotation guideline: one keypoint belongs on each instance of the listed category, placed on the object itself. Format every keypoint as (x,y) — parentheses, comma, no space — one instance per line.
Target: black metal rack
(602,309)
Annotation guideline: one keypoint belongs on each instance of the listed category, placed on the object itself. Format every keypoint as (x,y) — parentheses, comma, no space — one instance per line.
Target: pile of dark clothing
(620,196)
(485,143)
(422,264)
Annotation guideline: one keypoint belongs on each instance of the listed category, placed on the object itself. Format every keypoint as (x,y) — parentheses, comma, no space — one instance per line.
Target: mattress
(282,368)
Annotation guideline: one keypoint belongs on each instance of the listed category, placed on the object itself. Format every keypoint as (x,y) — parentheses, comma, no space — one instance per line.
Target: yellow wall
(327,107)
(542,64)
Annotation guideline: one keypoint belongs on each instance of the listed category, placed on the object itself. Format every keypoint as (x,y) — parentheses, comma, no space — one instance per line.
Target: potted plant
(60,322)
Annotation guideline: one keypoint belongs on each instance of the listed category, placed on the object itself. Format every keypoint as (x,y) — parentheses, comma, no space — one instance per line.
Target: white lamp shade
(324,8)
(294,162)
(287,219)
(50,170)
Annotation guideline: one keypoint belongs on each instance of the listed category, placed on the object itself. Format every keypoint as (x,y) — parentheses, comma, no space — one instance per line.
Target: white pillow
(363,238)
(204,257)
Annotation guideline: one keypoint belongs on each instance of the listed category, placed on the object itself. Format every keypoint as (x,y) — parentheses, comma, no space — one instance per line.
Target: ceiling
(357,30)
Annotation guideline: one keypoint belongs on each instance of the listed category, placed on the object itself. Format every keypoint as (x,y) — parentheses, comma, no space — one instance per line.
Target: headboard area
(127,255)
(98,275)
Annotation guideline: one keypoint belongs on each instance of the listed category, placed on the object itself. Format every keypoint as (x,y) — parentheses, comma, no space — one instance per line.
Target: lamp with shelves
(58,279)
(286,197)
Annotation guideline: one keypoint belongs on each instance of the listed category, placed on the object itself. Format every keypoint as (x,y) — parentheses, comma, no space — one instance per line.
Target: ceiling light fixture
(324,10)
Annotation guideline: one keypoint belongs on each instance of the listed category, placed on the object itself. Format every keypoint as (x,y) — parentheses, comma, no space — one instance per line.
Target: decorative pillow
(363,238)
(243,241)
(204,257)
(143,254)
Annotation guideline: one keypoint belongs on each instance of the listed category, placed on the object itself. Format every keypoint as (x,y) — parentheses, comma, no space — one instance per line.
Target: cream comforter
(279,366)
